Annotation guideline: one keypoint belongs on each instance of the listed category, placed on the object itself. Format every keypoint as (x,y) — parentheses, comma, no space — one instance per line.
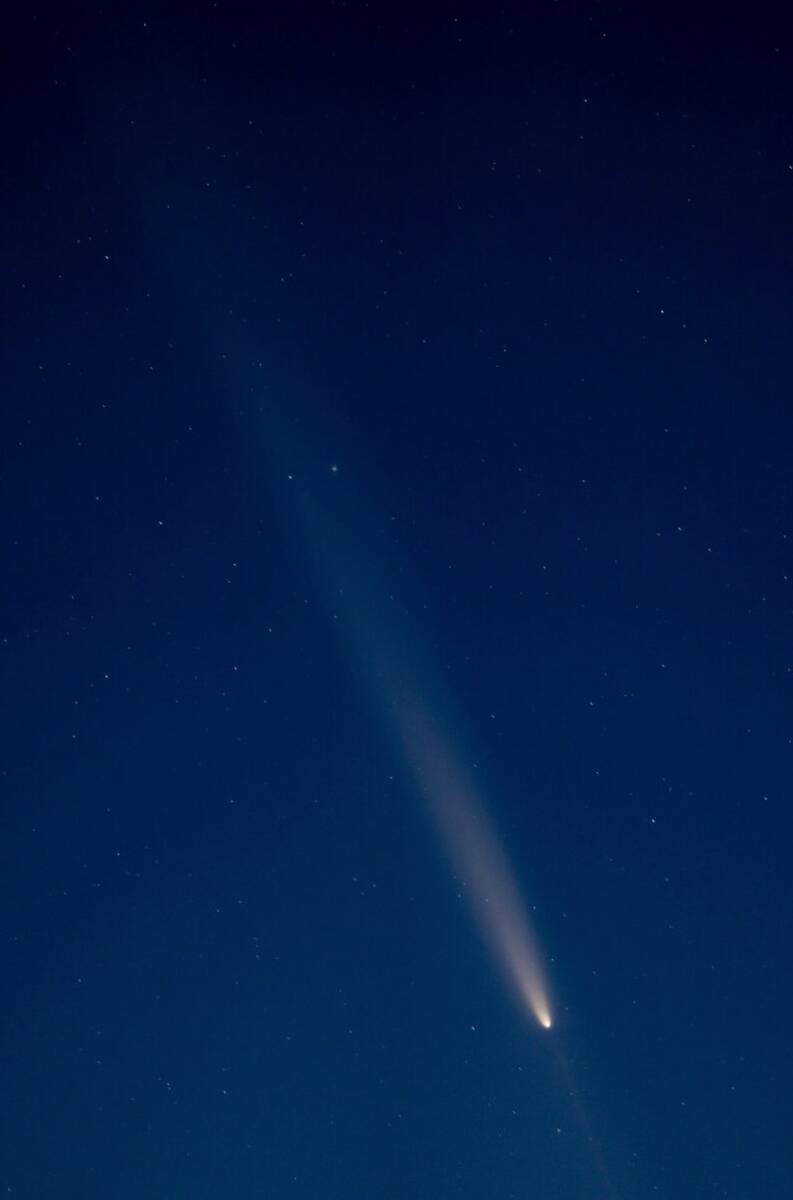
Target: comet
(477,858)
(398,672)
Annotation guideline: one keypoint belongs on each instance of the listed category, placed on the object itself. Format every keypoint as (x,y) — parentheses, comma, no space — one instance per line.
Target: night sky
(397,417)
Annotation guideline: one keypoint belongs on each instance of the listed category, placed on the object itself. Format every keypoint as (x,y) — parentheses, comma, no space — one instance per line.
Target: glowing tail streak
(477,857)
(466,833)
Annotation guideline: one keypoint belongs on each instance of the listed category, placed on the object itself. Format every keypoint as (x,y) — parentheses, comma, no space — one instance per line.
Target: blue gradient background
(523,275)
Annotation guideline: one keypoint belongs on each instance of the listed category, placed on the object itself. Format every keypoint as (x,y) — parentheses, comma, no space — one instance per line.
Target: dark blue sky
(489,306)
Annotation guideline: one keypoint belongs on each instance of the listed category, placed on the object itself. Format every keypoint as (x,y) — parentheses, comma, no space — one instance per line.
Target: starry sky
(346,342)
